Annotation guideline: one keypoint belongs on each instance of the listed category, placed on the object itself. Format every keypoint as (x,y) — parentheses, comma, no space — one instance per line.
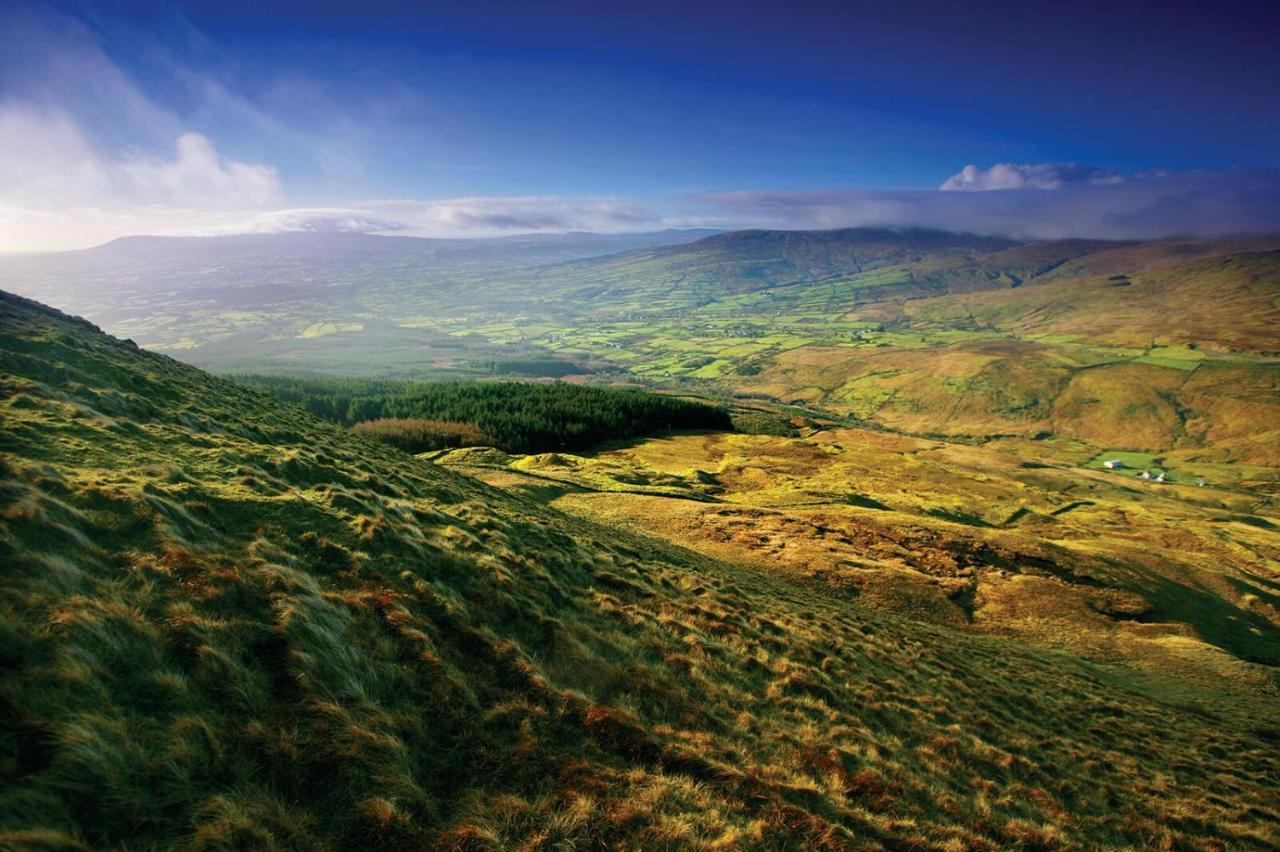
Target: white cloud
(57,189)
(483,215)
(474,216)
(197,177)
(1028,176)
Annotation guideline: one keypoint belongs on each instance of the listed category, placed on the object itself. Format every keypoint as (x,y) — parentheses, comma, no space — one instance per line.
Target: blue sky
(475,117)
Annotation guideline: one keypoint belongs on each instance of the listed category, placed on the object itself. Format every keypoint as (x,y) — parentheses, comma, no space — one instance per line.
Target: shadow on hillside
(1237,631)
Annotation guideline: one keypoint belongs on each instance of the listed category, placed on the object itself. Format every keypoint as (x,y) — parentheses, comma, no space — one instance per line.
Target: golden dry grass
(1048,552)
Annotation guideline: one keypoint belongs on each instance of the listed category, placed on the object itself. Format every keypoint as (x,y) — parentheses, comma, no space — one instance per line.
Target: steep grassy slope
(229,626)
(226,625)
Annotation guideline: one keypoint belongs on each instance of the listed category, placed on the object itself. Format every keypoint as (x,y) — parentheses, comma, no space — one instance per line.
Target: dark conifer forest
(518,417)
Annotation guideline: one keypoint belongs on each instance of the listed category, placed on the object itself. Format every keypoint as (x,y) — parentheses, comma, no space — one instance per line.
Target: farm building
(1113,464)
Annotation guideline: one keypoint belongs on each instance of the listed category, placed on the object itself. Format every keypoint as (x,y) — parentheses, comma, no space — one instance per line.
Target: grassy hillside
(725,265)
(1224,303)
(1032,539)
(228,625)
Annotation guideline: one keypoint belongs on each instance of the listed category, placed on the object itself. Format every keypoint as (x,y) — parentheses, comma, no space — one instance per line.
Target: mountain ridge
(319,237)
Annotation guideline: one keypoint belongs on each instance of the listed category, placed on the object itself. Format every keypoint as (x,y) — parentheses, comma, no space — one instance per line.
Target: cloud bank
(449,217)
(315,220)
(86,155)
(1146,206)
(507,214)
(197,192)
(1028,176)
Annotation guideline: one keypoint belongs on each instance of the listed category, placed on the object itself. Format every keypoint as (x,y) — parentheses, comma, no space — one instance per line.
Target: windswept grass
(226,625)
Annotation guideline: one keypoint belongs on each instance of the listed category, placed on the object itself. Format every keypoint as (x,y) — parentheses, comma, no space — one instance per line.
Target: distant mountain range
(163,263)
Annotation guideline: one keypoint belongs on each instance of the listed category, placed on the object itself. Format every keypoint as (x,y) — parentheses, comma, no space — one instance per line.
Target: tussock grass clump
(380,653)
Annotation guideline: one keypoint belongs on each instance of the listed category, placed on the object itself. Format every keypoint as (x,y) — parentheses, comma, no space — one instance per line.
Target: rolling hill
(696,274)
(1167,346)
(184,293)
(164,263)
(229,625)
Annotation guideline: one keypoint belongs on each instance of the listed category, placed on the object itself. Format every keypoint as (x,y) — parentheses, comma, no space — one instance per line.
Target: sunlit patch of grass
(1108,592)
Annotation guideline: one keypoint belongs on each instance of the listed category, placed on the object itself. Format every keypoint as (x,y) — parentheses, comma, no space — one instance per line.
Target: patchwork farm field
(1155,349)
